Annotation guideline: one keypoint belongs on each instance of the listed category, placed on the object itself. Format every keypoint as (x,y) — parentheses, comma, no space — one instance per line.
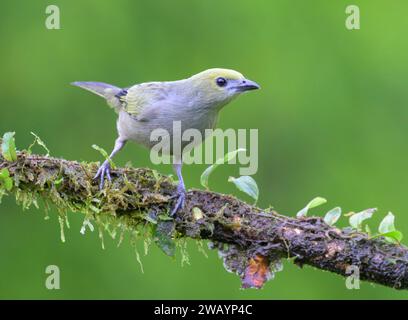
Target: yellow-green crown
(219,72)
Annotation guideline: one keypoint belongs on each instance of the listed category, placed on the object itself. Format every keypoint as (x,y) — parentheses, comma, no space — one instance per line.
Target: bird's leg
(181,189)
(104,169)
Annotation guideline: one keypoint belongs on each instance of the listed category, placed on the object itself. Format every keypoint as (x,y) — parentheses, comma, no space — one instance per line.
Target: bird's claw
(104,170)
(181,198)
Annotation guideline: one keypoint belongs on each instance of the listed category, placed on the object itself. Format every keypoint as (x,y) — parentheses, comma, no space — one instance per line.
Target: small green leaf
(4,173)
(5,179)
(393,236)
(38,141)
(387,229)
(387,224)
(8,184)
(105,155)
(8,147)
(356,219)
(332,216)
(312,204)
(246,184)
(207,172)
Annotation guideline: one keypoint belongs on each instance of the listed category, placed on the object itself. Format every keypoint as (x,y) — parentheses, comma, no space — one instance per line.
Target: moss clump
(124,205)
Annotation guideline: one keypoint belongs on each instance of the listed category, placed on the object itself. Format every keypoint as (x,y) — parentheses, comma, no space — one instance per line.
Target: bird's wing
(137,99)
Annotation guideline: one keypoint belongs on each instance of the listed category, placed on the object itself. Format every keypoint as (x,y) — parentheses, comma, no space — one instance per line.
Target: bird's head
(219,86)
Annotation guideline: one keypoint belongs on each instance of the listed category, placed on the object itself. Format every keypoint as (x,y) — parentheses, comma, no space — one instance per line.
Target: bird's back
(148,106)
(162,105)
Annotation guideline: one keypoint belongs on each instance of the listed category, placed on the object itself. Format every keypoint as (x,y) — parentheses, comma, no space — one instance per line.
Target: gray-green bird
(195,102)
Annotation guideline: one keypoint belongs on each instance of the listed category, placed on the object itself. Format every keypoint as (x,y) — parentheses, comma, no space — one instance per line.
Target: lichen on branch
(251,241)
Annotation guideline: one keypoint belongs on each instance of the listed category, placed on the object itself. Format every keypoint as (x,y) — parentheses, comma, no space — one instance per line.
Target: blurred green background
(332,119)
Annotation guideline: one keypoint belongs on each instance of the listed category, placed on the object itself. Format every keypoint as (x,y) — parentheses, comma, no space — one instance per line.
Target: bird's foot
(104,170)
(181,198)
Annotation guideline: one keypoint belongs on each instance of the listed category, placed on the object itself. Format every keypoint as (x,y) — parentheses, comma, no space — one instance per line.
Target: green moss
(123,206)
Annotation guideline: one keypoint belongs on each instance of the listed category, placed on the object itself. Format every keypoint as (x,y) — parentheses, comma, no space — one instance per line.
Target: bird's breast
(182,128)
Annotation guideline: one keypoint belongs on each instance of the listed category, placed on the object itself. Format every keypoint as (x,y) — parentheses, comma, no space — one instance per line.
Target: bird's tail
(104,90)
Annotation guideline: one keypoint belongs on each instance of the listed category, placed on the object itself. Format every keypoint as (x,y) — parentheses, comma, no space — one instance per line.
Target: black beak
(247,85)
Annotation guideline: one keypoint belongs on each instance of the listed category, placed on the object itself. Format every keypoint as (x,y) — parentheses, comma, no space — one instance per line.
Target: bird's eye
(221,82)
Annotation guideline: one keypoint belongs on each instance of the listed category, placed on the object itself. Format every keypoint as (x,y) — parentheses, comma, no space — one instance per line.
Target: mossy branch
(250,240)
